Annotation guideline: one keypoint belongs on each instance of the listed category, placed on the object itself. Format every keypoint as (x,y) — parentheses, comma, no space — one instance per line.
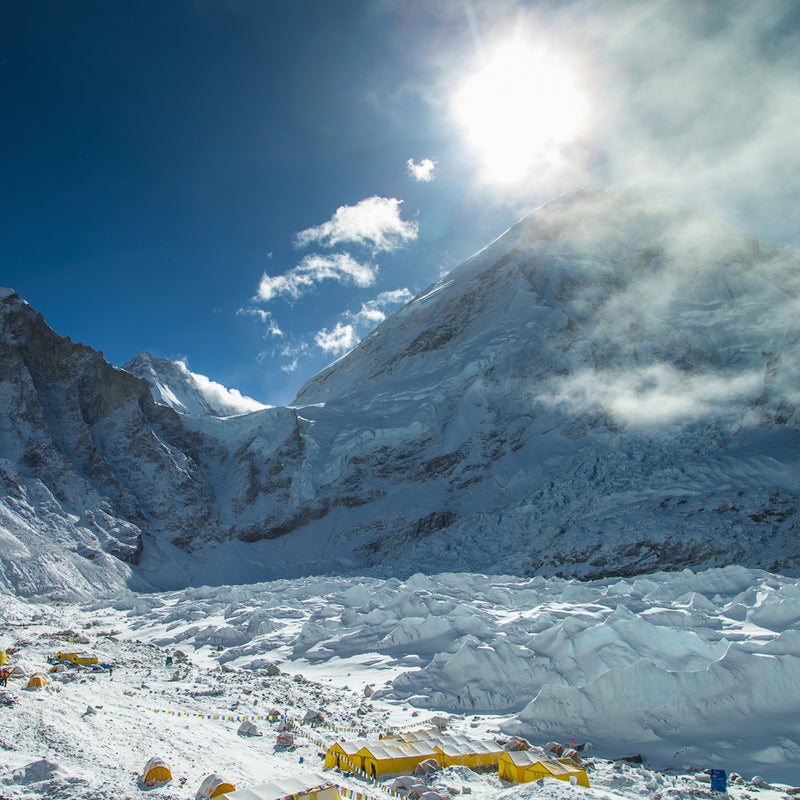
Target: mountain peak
(174,385)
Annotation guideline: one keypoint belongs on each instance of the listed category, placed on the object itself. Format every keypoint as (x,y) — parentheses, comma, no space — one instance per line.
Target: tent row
(311,786)
(398,757)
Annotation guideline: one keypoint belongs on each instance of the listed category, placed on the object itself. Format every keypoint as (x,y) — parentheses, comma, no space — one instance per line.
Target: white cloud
(313,269)
(341,339)
(354,325)
(373,312)
(654,395)
(422,171)
(374,222)
(266,317)
(221,395)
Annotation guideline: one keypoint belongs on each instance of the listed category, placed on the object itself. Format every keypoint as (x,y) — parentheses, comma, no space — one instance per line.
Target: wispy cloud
(354,325)
(314,269)
(232,399)
(374,222)
(701,103)
(654,395)
(422,171)
(341,339)
(373,312)
(266,317)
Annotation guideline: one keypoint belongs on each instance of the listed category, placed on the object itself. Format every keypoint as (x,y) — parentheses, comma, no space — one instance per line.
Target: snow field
(689,670)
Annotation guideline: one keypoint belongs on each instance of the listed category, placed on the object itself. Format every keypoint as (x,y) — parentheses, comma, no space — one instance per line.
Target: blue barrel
(719,780)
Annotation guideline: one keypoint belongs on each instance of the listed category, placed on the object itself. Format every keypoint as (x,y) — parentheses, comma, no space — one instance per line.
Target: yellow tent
(156,770)
(389,757)
(37,681)
(465,752)
(523,766)
(303,787)
(77,657)
(213,786)
(344,755)
(511,765)
(2,657)
(559,770)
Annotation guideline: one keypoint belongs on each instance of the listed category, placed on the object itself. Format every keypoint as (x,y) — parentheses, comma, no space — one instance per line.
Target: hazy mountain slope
(609,388)
(173,384)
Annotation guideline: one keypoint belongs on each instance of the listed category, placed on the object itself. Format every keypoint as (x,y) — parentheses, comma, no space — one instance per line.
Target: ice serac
(609,388)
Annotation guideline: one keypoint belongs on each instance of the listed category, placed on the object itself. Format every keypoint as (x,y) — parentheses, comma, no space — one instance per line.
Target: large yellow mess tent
(393,757)
(399,755)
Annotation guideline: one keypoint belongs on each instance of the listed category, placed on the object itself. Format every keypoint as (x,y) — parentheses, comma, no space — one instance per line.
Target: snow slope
(690,670)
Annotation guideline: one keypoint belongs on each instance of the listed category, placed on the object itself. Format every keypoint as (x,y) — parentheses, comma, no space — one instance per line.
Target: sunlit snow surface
(692,671)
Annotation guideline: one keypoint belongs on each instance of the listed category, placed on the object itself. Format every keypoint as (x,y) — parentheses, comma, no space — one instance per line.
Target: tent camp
(526,765)
(389,757)
(156,770)
(37,681)
(303,787)
(83,657)
(344,755)
(213,786)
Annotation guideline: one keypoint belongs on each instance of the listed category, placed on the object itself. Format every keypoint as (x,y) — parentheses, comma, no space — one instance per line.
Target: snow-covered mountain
(609,388)
(173,384)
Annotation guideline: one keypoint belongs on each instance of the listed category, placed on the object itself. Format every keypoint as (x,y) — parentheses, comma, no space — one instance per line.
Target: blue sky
(252,186)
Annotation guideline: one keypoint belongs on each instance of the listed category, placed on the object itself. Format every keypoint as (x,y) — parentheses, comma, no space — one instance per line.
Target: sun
(519,109)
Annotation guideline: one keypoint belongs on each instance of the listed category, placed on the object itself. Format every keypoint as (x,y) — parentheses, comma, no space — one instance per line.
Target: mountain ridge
(606,389)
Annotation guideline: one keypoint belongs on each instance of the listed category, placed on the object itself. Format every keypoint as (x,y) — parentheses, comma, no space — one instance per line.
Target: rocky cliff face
(609,388)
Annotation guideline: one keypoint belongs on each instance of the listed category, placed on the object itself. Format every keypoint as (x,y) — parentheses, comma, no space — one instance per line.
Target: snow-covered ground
(689,671)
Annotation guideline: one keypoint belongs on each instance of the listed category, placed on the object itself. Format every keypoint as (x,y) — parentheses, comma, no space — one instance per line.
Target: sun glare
(518,110)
